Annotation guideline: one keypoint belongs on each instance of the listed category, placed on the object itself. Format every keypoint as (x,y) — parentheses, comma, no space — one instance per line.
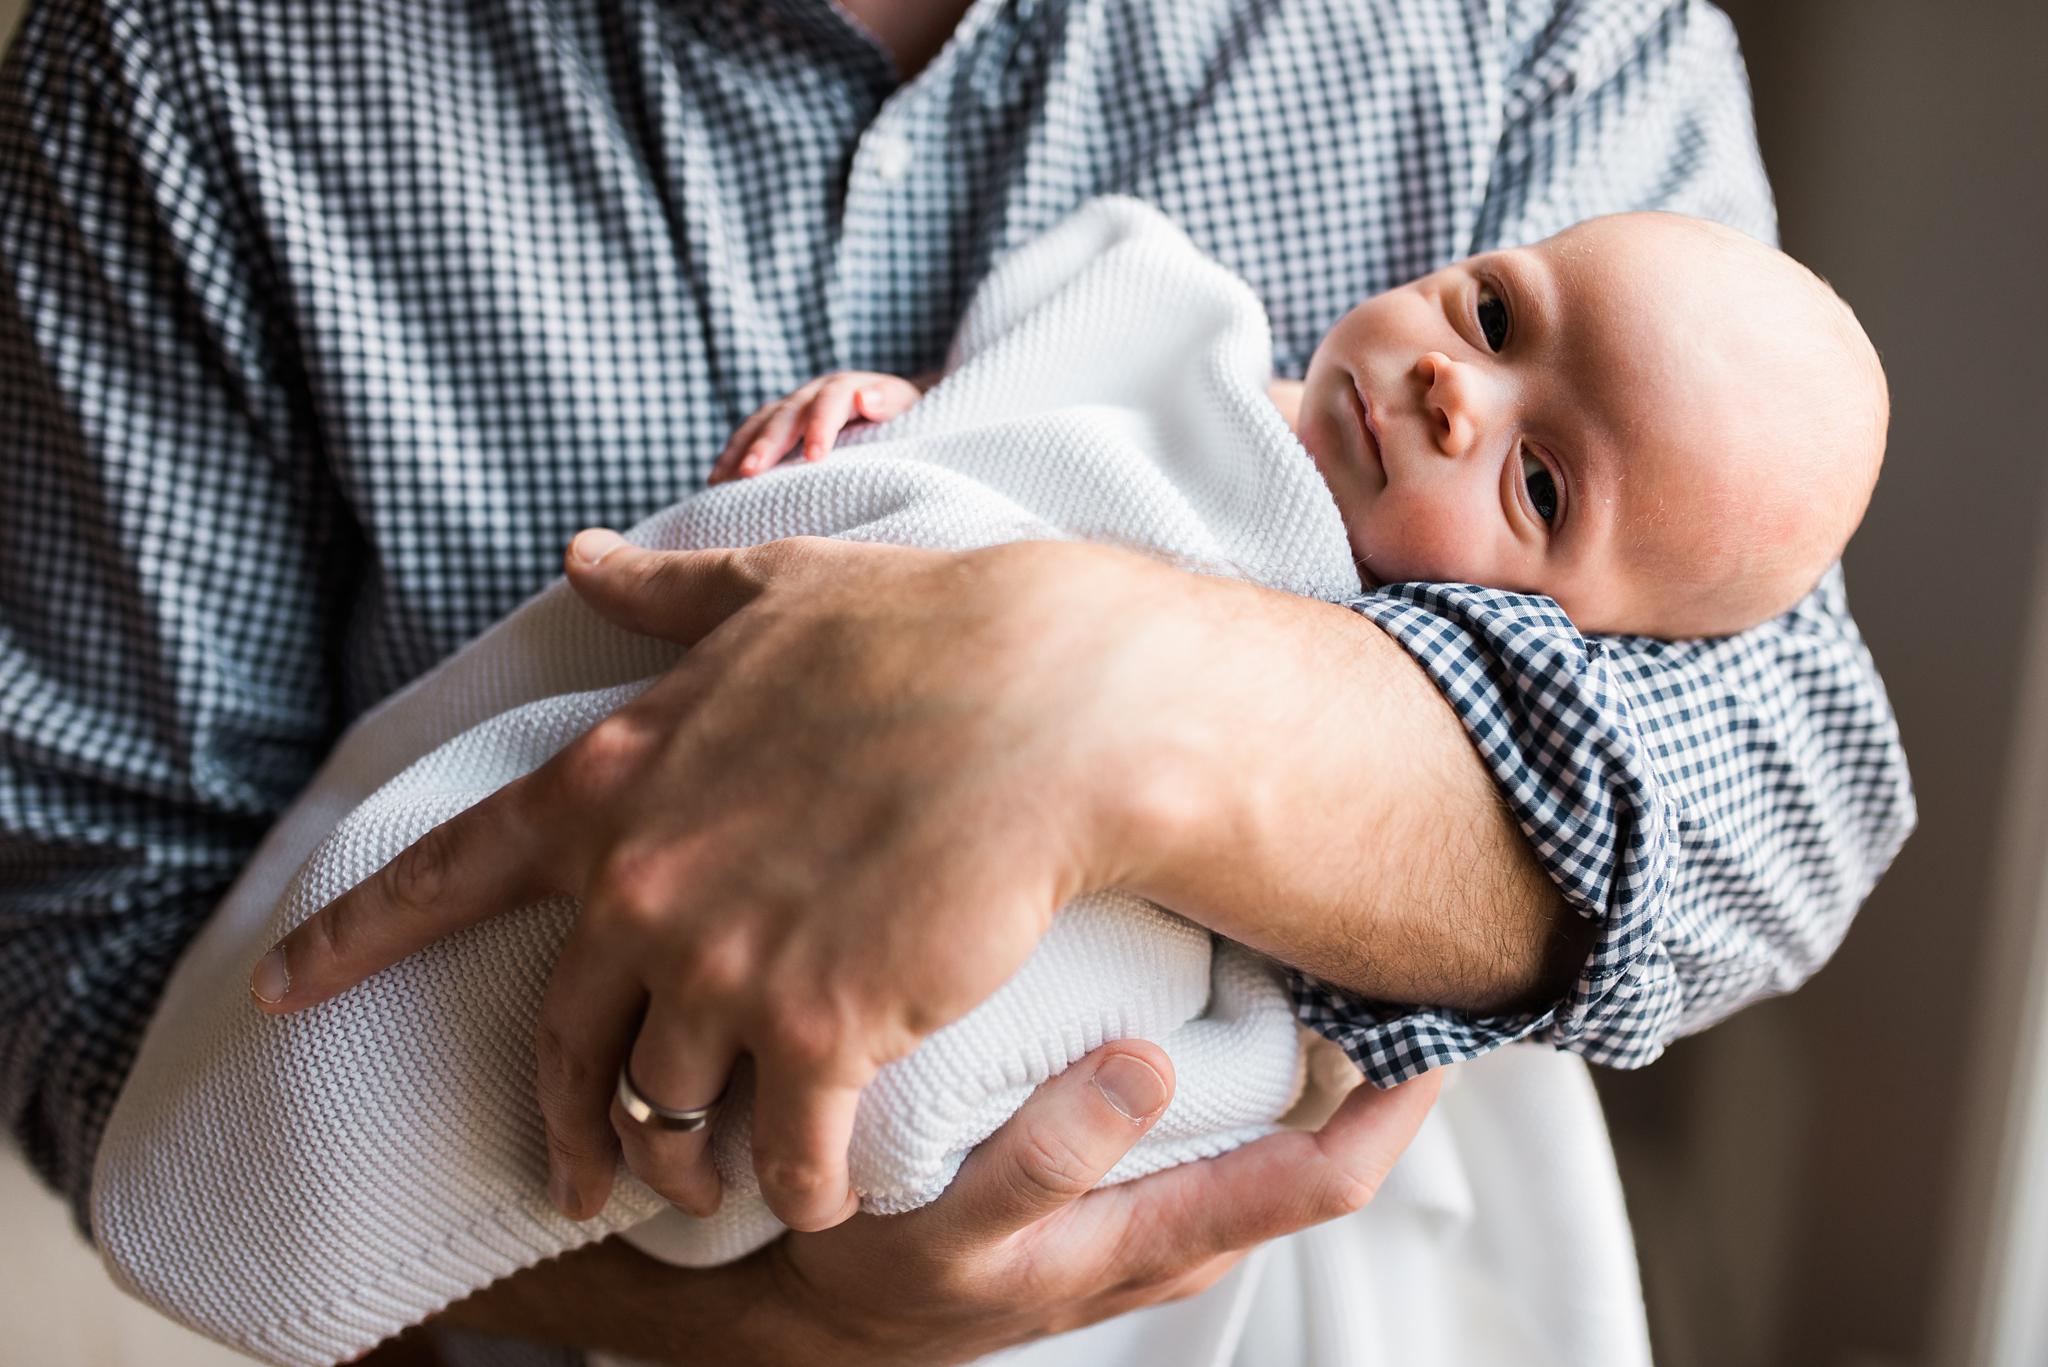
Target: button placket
(887,156)
(871,221)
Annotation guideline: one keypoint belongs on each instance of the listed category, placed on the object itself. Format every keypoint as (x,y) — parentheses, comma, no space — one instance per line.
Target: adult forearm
(1325,805)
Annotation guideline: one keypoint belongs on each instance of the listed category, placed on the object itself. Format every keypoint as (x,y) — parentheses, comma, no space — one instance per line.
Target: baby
(1659,422)
(1589,418)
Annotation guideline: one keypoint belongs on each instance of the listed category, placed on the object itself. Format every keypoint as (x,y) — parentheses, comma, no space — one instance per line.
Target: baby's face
(1594,417)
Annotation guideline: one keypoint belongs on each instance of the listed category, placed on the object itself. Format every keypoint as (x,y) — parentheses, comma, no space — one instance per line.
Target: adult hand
(1010,1254)
(840,821)
(1018,1247)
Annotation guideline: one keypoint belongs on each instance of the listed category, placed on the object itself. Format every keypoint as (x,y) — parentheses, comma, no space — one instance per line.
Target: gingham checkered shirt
(324,324)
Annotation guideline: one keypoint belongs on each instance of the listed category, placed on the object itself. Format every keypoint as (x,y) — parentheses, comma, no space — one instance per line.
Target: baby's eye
(1542,486)
(1493,317)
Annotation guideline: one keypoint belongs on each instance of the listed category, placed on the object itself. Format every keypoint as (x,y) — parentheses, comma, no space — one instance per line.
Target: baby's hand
(820,410)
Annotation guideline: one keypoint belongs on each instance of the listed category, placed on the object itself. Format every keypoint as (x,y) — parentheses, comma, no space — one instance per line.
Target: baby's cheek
(1404,542)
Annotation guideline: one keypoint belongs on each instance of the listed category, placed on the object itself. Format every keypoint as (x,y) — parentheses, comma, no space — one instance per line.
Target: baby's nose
(1450,398)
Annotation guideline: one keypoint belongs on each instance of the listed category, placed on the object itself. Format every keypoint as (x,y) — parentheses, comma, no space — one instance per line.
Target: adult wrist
(1170,784)
(609,1297)
(1217,773)
(1340,820)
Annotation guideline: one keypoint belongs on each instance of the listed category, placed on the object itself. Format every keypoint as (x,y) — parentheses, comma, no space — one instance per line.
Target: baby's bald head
(1803,414)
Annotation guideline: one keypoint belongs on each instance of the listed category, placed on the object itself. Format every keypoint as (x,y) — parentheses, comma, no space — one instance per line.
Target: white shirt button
(889,154)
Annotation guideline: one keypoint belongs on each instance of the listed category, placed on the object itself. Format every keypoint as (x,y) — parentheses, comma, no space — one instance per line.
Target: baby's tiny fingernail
(271,978)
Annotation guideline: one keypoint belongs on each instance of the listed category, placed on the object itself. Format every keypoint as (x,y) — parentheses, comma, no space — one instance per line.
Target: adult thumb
(1063,1140)
(679,596)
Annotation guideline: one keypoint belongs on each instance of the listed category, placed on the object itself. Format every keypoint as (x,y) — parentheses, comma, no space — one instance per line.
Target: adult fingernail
(594,545)
(1132,1086)
(271,978)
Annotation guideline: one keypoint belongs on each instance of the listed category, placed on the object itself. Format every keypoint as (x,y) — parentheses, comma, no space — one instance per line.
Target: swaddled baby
(1661,423)
(1665,425)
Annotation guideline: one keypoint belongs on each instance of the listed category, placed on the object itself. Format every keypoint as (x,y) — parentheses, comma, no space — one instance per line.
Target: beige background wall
(1796,1173)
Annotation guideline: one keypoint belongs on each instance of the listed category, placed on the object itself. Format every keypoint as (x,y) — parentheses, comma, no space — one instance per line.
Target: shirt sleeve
(169,555)
(1718,808)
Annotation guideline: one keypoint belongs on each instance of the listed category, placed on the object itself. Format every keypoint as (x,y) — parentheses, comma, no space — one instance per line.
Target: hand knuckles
(563,1070)
(670,575)
(715,968)
(637,892)
(579,1148)
(600,763)
(789,555)
(563,1107)
(755,565)
(420,876)
(336,932)
(1050,1165)
(800,1036)
(1339,1193)
(791,1174)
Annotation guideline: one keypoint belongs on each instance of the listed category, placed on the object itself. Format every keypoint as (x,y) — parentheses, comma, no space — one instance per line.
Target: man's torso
(535,262)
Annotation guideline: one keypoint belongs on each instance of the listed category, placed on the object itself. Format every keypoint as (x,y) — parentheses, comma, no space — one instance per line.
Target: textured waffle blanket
(301,1188)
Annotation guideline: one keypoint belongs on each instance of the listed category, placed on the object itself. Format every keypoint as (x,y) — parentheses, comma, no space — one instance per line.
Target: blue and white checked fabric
(323,325)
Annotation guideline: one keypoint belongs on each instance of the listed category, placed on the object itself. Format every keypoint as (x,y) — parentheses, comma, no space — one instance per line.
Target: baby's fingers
(828,414)
(884,397)
(774,440)
(728,462)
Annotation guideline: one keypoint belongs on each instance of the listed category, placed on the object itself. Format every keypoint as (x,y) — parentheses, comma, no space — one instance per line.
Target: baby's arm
(819,410)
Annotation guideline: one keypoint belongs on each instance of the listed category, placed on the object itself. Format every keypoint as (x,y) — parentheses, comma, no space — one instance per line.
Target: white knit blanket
(300,1188)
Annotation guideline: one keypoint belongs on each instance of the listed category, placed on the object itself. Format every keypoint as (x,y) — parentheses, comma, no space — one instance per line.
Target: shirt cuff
(1540,705)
